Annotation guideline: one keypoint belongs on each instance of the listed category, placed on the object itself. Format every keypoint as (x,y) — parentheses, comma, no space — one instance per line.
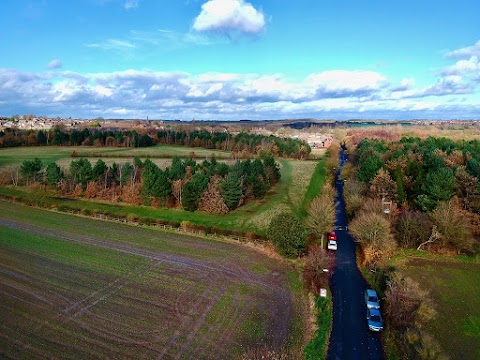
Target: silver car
(371,299)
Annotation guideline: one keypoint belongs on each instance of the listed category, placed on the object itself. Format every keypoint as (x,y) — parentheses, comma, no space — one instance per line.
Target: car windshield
(375,318)
(372,299)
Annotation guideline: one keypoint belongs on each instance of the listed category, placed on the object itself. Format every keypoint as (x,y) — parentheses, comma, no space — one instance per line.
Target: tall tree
(193,191)
(54,174)
(321,217)
(232,191)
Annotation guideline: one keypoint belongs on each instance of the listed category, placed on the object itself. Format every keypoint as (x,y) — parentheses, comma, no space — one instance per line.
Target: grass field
(79,288)
(15,156)
(454,286)
(288,195)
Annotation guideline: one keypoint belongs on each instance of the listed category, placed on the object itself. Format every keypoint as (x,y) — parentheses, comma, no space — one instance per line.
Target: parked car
(374,320)
(371,299)
(332,245)
(332,236)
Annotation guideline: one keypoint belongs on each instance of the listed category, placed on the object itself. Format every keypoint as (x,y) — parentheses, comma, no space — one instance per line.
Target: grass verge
(317,347)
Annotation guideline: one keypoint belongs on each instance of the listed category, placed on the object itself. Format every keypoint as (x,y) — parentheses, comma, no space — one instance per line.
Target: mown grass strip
(315,187)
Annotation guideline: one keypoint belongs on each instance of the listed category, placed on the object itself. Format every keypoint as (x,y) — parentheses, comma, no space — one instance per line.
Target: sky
(240,59)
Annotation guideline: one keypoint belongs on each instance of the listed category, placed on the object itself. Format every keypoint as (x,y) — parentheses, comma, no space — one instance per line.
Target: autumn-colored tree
(453,226)
(467,188)
(321,215)
(316,262)
(91,190)
(212,201)
(373,231)
(403,298)
(353,191)
(412,229)
(78,191)
(382,185)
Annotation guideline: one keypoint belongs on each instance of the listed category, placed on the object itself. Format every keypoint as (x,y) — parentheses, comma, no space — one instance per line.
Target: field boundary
(198,231)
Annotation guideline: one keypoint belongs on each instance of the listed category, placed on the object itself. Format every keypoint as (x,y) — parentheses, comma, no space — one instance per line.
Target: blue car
(371,299)
(374,320)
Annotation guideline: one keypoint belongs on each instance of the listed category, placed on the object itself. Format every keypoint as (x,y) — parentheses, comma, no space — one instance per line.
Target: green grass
(254,217)
(66,252)
(315,187)
(317,347)
(15,156)
(453,285)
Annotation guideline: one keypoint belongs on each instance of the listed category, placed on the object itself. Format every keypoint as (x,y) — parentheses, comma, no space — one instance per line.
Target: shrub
(288,234)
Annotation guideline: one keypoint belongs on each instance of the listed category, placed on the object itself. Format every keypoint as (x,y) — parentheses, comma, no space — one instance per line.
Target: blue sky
(238,59)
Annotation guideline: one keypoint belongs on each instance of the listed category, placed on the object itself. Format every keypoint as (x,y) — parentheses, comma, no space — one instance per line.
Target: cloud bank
(228,96)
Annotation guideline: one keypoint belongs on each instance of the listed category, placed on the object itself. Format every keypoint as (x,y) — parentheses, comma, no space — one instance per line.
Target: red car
(332,236)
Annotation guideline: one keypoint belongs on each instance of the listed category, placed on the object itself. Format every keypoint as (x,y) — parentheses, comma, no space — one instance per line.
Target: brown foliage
(212,201)
(412,228)
(315,262)
(453,226)
(132,194)
(383,186)
(403,298)
(373,231)
(177,187)
(91,190)
(321,213)
(353,194)
(78,191)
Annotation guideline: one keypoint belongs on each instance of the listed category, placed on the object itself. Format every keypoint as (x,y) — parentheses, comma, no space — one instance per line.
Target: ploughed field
(73,287)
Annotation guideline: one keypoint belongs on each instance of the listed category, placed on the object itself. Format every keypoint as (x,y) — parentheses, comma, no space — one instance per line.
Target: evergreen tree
(232,191)
(54,174)
(193,191)
(99,169)
(288,234)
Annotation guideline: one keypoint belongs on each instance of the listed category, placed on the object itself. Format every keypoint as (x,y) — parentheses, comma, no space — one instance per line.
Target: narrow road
(350,337)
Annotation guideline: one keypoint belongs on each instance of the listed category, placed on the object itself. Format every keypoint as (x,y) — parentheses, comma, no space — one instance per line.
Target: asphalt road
(350,337)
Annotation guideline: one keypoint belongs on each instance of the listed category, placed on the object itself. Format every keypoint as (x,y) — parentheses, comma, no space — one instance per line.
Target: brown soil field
(75,288)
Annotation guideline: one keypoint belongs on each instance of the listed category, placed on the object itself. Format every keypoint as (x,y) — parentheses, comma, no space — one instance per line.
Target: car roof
(374,312)
(371,292)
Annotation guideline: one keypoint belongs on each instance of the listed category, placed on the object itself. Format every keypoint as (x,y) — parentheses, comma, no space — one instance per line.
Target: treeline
(429,189)
(245,143)
(210,186)
(86,137)
(252,143)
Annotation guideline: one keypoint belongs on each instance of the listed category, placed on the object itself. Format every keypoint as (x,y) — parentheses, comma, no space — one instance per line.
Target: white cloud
(470,67)
(112,44)
(54,64)
(229,16)
(465,52)
(130,4)
(342,83)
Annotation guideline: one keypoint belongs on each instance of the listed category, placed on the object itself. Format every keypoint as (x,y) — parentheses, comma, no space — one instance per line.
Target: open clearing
(15,156)
(72,287)
(453,285)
